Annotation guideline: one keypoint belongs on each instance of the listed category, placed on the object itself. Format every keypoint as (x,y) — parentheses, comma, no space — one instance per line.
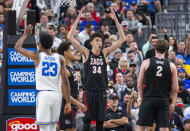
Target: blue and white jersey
(48,72)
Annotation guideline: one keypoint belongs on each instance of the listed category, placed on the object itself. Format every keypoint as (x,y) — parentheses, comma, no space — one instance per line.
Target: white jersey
(48,72)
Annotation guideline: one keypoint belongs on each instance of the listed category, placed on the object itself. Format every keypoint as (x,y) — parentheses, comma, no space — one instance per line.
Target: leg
(53,127)
(140,128)
(164,129)
(44,127)
(99,125)
(86,125)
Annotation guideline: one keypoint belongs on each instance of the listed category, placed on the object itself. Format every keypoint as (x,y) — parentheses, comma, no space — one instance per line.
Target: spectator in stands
(42,25)
(95,15)
(123,66)
(8,4)
(124,25)
(181,48)
(152,51)
(114,62)
(186,122)
(2,10)
(172,43)
(115,7)
(171,56)
(181,74)
(71,22)
(112,39)
(134,25)
(119,85)
(130,86)
(133,112)
(115,117)
(105,30)
(99,8)
(2,20)
(129,39)
(52,31)
(138,55)
(85,34)
(45,5)
(88,19)
(107,19)
(124,101)
(62,32)
(71,11)
(107,3)
(183,93)
(141,16)
(78,65)
(148,44)
(179,59)
(132,73)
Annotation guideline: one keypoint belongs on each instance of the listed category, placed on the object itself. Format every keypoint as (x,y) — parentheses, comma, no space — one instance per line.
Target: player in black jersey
(95,81)
(161,84)
(67,121)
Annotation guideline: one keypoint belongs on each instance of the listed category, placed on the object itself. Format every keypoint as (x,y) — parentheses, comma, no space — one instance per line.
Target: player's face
(97,43)
(70,53)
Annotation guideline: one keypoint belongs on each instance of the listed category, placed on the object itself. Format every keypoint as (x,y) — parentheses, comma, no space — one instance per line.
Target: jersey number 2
(159,71)
(49,69)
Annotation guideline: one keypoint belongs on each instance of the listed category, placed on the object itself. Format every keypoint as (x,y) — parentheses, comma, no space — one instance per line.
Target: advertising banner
(15,58)
(21,124)
(22,97)
(21,77)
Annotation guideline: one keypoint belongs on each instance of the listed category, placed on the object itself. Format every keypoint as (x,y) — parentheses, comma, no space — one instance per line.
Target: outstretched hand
(28,30)
(81,11)
(113,15)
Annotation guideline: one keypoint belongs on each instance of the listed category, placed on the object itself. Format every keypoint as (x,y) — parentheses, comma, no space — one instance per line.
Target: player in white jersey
(50,68)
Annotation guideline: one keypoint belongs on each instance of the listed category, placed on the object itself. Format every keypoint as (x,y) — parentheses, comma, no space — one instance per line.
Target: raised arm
(65,86)
(175,88)
(83,50)
(122,38)
(18,46)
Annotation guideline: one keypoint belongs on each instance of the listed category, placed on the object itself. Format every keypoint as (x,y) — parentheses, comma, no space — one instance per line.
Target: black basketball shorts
(154,109)
(96,105)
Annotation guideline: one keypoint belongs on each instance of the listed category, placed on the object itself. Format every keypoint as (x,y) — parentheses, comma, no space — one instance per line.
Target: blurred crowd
(57,17)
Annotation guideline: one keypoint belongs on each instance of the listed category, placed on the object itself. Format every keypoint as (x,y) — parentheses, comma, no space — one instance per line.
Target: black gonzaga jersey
(158,78)
(73,82)
(95,70)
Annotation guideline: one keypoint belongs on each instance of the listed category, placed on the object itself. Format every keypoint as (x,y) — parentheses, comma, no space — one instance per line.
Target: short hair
(88,25)
(46,40)
(132,42)
(64,46)
(96,34)
(162,46)
(131,51)
(90,4)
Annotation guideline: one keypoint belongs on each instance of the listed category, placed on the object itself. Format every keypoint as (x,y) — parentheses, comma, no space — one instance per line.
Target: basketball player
(161,83)
(95,68)
(67,121)
(50,68)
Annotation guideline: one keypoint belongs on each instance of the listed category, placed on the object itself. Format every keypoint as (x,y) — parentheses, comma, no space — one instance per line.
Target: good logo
(22,124)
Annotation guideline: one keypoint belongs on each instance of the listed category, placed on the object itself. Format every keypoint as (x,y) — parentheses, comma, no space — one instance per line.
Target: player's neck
(68,62)
(46,51)
(95,52)
(158,55)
